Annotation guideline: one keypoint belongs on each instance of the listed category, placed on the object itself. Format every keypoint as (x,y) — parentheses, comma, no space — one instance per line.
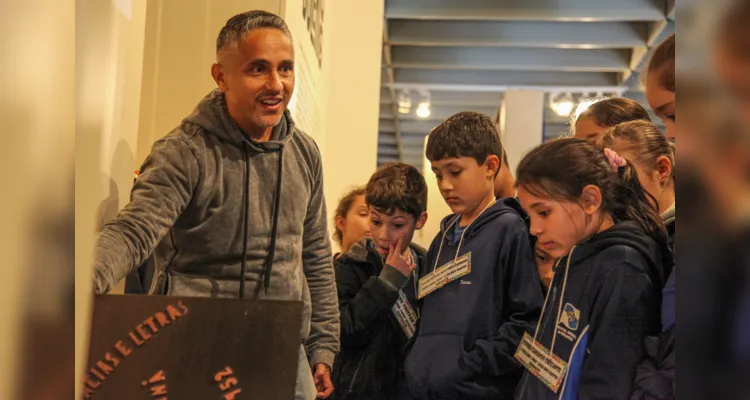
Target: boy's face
(463,183)
(385,229)
(545,265)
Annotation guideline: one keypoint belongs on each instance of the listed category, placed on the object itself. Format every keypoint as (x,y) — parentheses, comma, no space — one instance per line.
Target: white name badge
(444,275)
(405,315)
(547,367)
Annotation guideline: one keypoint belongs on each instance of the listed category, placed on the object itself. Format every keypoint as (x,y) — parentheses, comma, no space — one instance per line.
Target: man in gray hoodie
(236,185)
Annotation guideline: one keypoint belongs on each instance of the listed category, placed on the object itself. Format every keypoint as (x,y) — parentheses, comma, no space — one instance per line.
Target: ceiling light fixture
(562,104)
(404,102)
(423,109)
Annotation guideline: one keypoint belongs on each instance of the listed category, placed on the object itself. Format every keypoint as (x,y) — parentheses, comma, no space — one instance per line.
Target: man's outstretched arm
(161,192)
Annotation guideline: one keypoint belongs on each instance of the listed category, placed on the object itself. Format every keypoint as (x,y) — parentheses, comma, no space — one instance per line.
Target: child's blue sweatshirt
(470,328)
(609,290)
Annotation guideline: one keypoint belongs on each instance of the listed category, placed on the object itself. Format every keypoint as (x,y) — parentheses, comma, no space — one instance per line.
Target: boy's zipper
(356,371)
(545,320)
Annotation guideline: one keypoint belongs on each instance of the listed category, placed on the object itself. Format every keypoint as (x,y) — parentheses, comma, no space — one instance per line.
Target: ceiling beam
(479,58)
(438,113)
(463,88)
(507,78)
(658,31)
(637,56)
(527,10)
(591,35)
(453,98)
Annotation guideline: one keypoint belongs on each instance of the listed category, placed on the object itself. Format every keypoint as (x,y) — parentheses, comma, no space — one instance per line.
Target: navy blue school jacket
(470,328)
(610,304)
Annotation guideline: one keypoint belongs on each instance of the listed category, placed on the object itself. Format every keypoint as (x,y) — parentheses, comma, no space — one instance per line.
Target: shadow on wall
(120,181)
(123,161)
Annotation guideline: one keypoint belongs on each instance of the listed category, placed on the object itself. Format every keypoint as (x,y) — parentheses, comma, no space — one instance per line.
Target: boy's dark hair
(610,112)
(345,204)
(562,168)
(466,134)
(397,186)
(663,62)
(505,159)
(245,22)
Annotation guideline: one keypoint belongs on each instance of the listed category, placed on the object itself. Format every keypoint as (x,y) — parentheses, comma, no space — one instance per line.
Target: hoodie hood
(503,206)
(658,258)
(212,115)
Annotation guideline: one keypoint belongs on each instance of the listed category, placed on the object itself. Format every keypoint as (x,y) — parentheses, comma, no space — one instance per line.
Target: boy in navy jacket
(479,287)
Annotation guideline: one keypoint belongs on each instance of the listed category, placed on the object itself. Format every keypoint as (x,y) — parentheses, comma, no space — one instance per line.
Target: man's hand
(397,260)
(322,379)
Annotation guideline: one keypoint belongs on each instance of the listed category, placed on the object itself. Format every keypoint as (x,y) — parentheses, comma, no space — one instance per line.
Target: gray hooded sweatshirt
(206,195)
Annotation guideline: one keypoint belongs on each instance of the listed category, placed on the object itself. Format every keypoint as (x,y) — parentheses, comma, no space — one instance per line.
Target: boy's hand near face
(397,260)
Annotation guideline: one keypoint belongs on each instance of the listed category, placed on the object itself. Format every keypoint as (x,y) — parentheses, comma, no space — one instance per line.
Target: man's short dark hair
(241,24)
(505,158)
(466,134)
(397,186)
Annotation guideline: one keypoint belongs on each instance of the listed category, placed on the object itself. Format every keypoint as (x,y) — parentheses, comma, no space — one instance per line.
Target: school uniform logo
(571,316)
(569,321)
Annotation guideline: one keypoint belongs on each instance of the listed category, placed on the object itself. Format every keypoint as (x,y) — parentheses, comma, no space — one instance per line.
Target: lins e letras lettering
(136,338)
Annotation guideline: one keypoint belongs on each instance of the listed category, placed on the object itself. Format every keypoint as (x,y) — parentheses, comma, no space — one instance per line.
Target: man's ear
(421,221)
(218,75)
(493,166)
(664,169)
(591,199)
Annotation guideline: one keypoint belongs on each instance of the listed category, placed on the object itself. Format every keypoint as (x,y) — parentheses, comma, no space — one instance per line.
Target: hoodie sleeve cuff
(322,356)
(392,277)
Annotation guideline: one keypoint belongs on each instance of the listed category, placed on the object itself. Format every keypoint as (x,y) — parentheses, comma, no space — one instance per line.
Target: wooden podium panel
(184,348)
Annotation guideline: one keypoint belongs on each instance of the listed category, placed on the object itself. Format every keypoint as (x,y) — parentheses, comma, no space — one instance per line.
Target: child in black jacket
(377,289)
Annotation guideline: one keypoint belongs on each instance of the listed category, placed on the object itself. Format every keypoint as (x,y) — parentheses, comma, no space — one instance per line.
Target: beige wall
(109,59)
(37,110)
(351,65)
(179,50)
(308,102)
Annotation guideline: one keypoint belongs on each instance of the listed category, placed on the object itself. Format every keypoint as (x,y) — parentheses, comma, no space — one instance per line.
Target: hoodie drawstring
(243,268)
(277,203)
(274,227)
